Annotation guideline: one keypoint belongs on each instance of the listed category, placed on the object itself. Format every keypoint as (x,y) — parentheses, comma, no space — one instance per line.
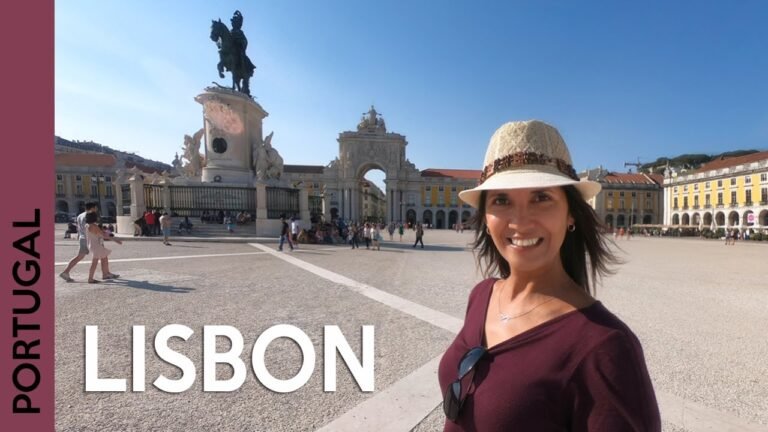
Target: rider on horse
(239,41)
(232,45)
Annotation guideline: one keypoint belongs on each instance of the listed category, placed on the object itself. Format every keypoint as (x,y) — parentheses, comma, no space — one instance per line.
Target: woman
(95,238)
(537,352)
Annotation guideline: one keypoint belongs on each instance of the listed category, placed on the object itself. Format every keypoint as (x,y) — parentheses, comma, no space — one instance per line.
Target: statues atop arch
(372,121)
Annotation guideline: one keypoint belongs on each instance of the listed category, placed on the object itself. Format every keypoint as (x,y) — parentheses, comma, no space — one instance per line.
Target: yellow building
(87,171)
(627,199)
(374,202)
(440,206)
(83,177)
(725,193)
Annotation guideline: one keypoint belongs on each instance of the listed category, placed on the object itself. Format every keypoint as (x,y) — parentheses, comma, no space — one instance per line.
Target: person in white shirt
(295,231)
(90,207)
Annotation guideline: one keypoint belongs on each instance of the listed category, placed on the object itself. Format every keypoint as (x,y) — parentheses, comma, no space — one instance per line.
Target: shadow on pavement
(427,246)
(147,285)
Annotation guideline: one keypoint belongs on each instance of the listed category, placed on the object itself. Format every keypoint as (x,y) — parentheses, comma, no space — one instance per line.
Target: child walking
(95,238)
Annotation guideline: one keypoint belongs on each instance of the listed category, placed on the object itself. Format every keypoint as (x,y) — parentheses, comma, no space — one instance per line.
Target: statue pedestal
(233,127)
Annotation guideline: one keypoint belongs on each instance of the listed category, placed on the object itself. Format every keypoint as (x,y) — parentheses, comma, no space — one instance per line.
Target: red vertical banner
(27,178)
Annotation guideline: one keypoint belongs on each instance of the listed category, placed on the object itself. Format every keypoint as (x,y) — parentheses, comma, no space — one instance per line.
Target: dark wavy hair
(585,240)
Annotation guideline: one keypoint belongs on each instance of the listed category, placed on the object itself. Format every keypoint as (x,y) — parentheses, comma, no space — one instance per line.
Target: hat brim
(525,179)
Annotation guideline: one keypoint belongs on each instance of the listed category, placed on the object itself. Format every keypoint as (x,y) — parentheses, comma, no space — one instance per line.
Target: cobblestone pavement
(699,308)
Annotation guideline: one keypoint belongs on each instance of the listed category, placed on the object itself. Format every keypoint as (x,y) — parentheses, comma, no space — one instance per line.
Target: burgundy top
(581,371)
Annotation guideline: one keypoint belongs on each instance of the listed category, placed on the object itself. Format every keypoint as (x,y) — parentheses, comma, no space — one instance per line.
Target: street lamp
(98,179)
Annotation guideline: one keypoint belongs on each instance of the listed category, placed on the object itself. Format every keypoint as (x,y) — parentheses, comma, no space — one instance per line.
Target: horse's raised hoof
(221,75)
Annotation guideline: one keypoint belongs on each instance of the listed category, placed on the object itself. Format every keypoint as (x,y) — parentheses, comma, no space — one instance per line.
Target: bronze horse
(230,59)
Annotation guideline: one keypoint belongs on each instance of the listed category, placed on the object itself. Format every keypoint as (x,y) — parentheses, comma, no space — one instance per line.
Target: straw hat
(527,154)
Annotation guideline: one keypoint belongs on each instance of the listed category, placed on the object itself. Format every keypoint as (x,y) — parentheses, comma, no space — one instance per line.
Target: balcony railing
(748,203)
(695,206)
(685,207)
(706,206)
(733,205)
(675,208)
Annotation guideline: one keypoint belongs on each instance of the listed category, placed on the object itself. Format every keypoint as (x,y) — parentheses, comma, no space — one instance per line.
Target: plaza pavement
(699,308)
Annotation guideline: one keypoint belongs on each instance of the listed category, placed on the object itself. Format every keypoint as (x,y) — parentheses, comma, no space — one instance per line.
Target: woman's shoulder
(482,289)
(602,330)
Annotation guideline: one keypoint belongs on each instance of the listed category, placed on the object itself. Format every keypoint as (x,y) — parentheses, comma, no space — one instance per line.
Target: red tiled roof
(452,173)
(733,161)
(658,178)
(630,178)
(85,159)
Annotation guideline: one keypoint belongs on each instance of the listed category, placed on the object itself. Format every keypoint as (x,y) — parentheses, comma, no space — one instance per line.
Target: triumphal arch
(343,179)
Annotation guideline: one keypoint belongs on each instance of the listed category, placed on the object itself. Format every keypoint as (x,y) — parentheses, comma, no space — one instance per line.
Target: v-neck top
(581,371)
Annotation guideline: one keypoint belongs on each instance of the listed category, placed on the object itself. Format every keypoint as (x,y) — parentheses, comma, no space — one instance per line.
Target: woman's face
(528,226)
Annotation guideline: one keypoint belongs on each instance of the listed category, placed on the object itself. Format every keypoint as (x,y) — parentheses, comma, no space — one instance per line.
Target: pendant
(504,317)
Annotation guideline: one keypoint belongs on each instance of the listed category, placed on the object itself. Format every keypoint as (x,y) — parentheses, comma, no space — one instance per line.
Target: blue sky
(621,80)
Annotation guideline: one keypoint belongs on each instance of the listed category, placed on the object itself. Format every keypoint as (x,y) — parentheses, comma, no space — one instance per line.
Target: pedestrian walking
(367,235)
(355,236)
(400,230)
(285,234)
(95,237)
(295,231)
(391,230)
(82,251)
(165,226)
(419,235)
(536,351)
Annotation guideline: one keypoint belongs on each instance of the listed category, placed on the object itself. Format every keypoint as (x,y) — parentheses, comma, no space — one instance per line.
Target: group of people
(91,237)
(621,233)
(289,233)
(369,232)
(153,223)
(731,236)
(223,217)
(148,225)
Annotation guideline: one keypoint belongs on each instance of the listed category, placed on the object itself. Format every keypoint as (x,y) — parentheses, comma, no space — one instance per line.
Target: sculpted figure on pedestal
(194,165)
(275,161)
(260,160)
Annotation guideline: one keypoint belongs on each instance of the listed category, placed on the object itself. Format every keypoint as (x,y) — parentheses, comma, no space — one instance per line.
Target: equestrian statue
(232,57)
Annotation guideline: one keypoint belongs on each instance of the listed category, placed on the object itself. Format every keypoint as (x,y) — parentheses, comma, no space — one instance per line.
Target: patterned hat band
(521,159)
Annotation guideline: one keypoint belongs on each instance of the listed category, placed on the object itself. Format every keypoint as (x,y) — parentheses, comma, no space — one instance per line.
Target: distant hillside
(689,161)
(90,146)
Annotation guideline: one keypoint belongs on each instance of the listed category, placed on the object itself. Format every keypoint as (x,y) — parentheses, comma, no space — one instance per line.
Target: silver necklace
(505,318)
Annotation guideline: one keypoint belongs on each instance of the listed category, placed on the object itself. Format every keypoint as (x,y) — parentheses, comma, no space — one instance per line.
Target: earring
(487,231)
(571,228)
